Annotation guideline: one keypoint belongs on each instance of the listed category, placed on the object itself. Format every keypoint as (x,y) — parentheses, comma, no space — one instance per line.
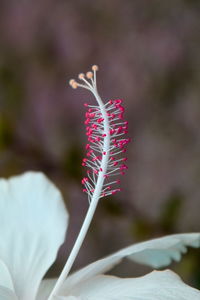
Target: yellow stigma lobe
(81,76)
(89,75)
(95,68)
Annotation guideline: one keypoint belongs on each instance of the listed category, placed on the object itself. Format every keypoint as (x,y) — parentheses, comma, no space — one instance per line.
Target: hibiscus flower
(34,219)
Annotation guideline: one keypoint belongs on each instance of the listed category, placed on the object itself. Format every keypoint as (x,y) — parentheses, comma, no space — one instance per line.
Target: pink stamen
(96,135)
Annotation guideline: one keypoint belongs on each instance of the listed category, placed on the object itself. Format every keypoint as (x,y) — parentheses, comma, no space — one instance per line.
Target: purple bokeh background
(148,54)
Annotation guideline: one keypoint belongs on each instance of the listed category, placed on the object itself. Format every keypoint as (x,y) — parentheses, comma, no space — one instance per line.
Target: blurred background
(149,55)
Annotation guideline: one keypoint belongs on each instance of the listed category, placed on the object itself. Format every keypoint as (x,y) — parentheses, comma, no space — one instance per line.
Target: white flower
(33,222)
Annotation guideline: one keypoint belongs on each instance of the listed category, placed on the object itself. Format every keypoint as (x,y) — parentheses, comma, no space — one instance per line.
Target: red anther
(97,139)
(104,135)
(90,110)
(92,190)
(101,170)
(119,129)
(123,167)
(125,131)
(118,181)
(108,114)
(87,121)
(105,176)
(118,101)
(84,190)
(84,180)
(121,108)
(100,120)
(85,159)
(95,158)
(94,126)
(120,116)
(90,131)
(104,153)
(109,187)
(124,150)
(89,152)
(87,147)
(112,131)
(115,163)
(92,115)
(117,105)
(110,102)
(122,173)
(124,159)
(112,116)
(85,104)
(112,158)
(96,171)
(83,164)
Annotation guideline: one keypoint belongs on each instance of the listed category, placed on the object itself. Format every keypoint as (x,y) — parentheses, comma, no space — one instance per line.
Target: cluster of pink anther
(95,132)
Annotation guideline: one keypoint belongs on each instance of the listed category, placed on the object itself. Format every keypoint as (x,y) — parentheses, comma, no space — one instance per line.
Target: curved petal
(158,285)
(156,253)
(5,277)
(33,222)
(45,288)
(7,294)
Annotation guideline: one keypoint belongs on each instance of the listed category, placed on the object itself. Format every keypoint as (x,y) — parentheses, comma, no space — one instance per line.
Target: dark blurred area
(149,54)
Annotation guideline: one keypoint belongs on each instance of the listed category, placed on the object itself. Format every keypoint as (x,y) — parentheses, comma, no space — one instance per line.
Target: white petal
(69,298)
(45,288)
(158,285)
(156,253)
(160,252)
(5,277)
(33,222)
(7,294)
